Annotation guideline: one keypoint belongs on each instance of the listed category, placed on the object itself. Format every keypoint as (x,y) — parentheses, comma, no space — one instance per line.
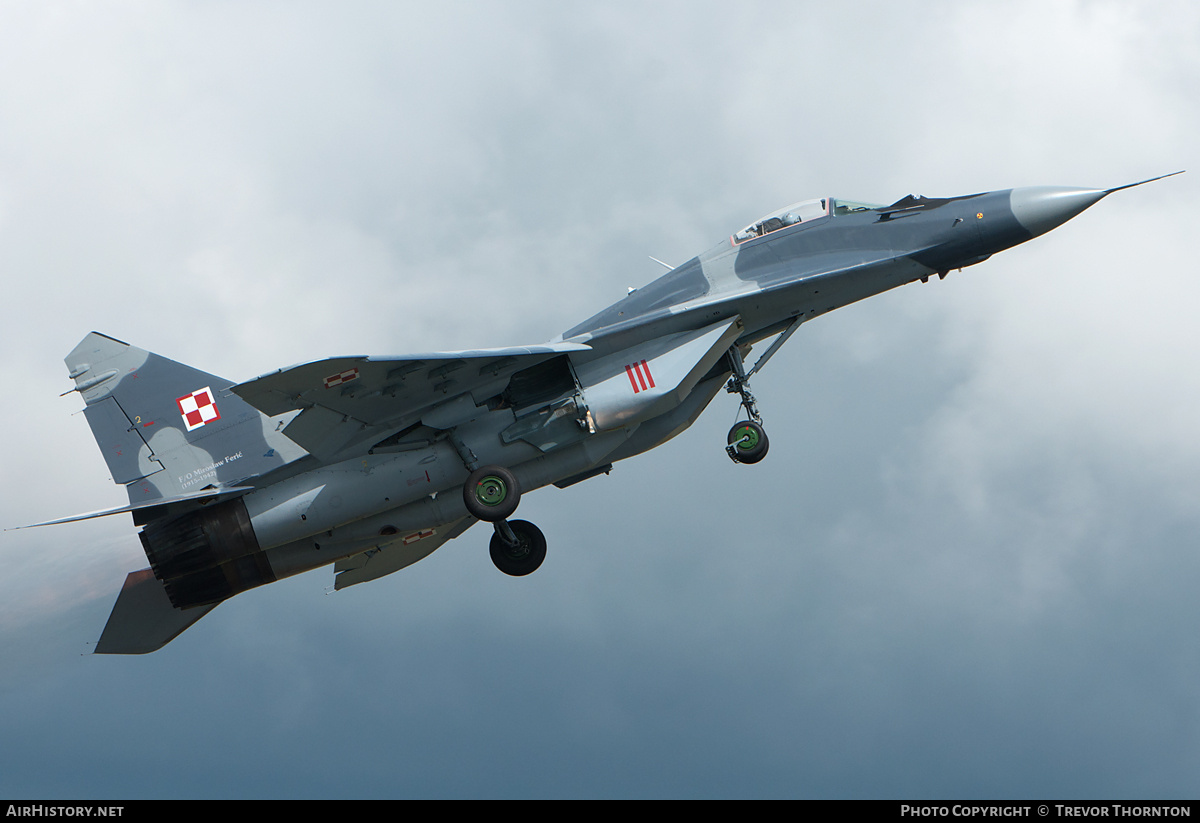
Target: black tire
(491,493)
(523,558)
(748,442)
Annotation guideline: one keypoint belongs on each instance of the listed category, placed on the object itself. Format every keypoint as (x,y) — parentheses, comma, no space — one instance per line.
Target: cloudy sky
(967,568)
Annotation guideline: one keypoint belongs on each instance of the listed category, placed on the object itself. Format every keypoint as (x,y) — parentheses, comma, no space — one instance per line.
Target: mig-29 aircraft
(372,463)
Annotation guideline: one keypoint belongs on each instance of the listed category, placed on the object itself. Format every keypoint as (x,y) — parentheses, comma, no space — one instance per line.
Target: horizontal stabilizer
(143,620)
(149,510)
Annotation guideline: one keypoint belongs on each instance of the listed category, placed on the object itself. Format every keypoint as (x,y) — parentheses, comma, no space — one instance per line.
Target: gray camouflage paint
(927,237)
(360,461)
(133,413)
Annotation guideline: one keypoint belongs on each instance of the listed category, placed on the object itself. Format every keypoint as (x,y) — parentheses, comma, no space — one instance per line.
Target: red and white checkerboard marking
(198,408)
(339,379)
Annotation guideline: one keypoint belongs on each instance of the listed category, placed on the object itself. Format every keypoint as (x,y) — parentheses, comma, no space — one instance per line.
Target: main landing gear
(518,547)
(491,494)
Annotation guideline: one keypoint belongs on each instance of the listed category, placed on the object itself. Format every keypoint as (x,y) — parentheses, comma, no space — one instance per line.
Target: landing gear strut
(491,494)
(747,441)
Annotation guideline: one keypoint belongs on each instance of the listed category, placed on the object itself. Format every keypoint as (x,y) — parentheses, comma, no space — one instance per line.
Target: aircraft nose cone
(1042,208)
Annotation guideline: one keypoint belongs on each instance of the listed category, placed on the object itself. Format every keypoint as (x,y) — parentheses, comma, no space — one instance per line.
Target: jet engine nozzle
(1042,208)
(206,556)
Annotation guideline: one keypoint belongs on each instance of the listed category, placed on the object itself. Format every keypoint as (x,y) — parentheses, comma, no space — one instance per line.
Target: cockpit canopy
(801,212)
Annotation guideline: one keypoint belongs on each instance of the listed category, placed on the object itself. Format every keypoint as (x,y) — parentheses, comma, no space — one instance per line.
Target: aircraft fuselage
(767,282)
(371,463)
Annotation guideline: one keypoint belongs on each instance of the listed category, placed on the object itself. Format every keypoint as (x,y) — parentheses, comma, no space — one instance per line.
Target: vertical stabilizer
(166,429)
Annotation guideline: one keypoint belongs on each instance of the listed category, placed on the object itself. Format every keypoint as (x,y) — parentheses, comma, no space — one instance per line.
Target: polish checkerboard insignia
(343,377)
(198,408)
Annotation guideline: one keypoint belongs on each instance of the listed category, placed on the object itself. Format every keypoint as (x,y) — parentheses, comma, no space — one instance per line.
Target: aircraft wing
(380,561)
(348,403)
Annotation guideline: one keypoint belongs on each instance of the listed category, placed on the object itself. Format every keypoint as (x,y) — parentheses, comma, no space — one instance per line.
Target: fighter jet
(372,463)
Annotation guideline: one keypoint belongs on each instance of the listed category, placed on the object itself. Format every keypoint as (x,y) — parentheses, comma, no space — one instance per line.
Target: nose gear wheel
(747,442)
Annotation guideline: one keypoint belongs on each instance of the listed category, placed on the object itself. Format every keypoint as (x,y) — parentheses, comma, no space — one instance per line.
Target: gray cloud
(965,568)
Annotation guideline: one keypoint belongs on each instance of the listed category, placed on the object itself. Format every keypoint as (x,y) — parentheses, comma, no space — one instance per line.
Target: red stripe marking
(646,366)
(637,368)
(632,382)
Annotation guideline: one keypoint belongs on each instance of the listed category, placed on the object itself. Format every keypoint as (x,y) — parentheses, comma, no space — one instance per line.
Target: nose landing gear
(747,442)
